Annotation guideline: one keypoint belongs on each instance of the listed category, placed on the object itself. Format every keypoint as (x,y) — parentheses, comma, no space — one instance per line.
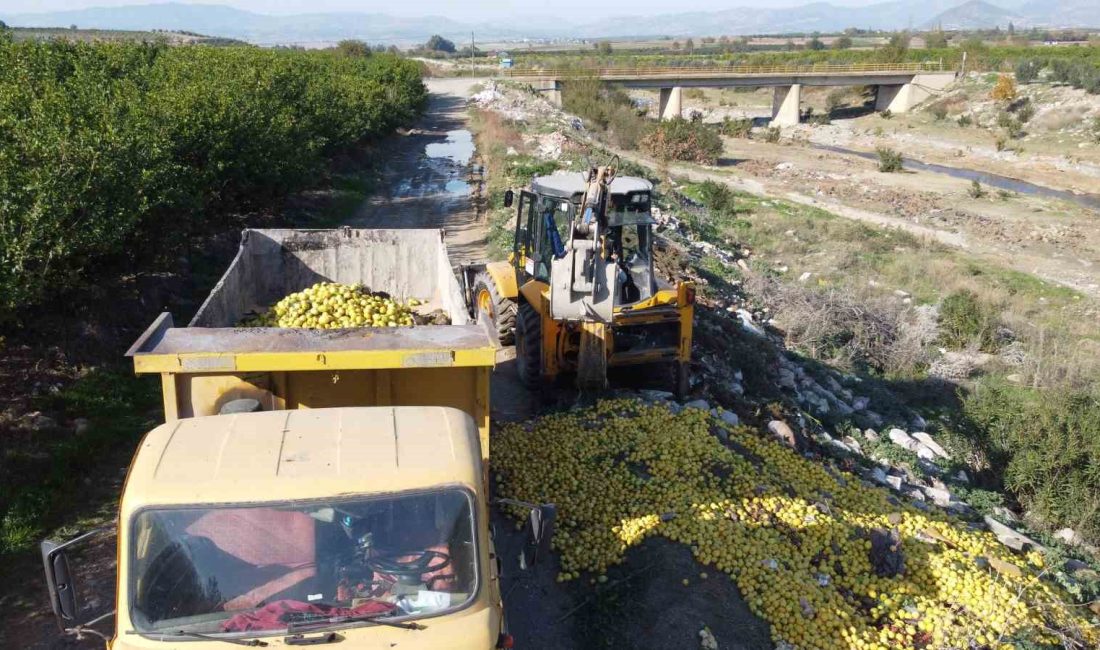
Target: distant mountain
(219,20)
(236,23)
(976,14)
(1063,13)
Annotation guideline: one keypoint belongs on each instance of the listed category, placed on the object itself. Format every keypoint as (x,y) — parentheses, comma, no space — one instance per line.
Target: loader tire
(529,346)
(501,310)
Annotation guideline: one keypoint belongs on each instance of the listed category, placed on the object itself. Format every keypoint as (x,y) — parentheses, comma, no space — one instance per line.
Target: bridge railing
(719,70)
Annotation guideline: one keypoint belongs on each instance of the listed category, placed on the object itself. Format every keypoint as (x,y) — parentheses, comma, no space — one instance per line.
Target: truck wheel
(528,346)
(501,310)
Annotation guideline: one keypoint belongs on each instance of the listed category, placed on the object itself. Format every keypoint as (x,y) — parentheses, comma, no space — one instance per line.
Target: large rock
(902,439)
(1011,538)
(82,426)
(940,497)
(36,421)
(783,432)
(730,418)
(700,404)
(1069,536)
(749,325)
(929,442)
(786,379)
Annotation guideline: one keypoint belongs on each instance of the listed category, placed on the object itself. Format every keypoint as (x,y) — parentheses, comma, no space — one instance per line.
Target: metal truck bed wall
(212,361)
(274,263)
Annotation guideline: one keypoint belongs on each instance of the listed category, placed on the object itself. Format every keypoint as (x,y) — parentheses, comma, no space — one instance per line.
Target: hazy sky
(577,10)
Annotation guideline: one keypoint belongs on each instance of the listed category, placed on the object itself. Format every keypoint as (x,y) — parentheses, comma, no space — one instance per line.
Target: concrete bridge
(899,86)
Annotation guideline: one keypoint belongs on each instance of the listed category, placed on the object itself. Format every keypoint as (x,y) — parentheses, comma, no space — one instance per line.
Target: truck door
(526,241)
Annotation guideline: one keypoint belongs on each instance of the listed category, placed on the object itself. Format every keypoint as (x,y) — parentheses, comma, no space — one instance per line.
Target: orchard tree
(842,43)
(935,40)
(439,44)
(353,48)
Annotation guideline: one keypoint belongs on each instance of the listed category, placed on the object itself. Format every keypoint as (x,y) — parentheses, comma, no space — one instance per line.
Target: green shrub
(889,161)
(718,198)
(965,321)
(976,191)
(965,120)
(680,139)
(1046,446)
(772,134)
(835,99)
(938,111)
(1025,112)
(1079,74)
(1027,70)
(735,128)
(887,114)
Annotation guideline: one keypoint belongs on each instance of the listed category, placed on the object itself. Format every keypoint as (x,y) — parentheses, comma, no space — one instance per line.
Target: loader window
(526,227)
(235,569)
(555,215)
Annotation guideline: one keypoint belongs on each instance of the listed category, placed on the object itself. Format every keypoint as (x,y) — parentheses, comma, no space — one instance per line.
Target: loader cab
(547,211)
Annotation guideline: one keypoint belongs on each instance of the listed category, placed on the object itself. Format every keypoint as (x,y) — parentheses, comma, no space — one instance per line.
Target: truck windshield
(260,567)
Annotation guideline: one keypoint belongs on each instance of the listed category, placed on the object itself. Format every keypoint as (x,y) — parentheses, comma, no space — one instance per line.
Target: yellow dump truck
(310,486)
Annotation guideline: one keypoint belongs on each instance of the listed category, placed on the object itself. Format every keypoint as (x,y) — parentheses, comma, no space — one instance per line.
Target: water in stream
(1091,201)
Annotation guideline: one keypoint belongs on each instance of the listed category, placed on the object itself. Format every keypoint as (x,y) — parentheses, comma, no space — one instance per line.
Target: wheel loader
(579,292)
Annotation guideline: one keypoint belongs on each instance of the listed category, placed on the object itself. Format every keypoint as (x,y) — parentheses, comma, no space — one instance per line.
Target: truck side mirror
(59,581)
(540,530)
(509,197)
(73,617)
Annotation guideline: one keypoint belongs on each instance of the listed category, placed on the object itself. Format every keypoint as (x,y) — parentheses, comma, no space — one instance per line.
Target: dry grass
(849,327)
(1052,331)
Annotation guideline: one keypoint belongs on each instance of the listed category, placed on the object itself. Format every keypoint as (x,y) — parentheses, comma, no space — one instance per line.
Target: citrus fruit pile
(794,535)
(330,305)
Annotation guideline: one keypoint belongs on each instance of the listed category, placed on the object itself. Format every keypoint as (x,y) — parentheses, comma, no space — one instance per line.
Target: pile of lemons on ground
(331,305)
(793,534)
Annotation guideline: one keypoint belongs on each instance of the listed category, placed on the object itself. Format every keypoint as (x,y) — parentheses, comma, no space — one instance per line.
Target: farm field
(889,438)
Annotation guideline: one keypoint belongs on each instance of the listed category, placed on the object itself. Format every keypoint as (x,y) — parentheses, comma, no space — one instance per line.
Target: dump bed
(273,263)
(214,360)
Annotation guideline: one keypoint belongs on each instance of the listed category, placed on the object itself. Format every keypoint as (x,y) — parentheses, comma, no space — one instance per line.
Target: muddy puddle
(442,168)
(1091,201)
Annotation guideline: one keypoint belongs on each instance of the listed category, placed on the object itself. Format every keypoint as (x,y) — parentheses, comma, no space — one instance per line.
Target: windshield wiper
(255,643)
(325,621)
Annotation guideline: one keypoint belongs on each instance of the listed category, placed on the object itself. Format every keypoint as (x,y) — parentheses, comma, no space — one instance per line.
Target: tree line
(112,152)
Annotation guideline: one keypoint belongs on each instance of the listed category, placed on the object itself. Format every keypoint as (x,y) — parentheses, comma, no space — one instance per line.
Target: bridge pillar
(902,99)
(550,89)
(785,103)
(672,103)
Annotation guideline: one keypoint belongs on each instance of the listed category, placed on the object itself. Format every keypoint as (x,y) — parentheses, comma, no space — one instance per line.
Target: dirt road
(430,179)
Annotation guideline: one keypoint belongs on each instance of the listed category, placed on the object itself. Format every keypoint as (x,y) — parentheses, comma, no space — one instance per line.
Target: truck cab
(364,525)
